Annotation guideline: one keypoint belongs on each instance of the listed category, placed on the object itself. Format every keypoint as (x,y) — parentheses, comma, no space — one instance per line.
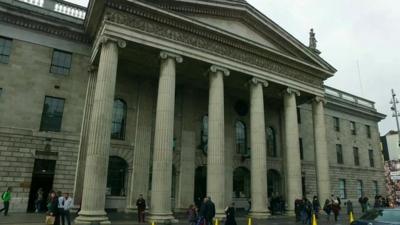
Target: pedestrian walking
(307,214)
(336,209)
(6,198)
(68,204)
(328,208)
(230,214)
(52,207)
(349,207)
(39,200)
(316,206)
(192,214)
(210,211)
(141,207)
(298,209)
(202,215)
(60,206)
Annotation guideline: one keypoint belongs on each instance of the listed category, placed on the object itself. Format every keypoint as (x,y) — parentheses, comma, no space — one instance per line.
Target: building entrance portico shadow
(200,184)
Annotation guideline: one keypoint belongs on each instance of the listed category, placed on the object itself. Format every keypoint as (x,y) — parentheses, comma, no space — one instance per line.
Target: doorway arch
(241,182)
(200,184)
(274,183)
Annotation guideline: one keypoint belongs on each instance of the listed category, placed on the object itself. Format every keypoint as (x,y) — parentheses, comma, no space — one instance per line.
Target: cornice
(43,27)
(247,14)
(166,26)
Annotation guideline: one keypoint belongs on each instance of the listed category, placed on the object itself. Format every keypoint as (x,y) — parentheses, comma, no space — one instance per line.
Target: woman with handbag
(52,210)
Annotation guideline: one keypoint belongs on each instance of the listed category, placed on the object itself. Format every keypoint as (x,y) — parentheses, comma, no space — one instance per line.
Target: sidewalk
(130,219)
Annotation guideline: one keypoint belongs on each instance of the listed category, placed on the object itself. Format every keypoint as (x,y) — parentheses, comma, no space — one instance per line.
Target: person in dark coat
(202,215)
(230,214)
(336,209)
(52,207)
(141,207)
(298,208)
(210,211)
(316,206)
(192,214)
(328,208)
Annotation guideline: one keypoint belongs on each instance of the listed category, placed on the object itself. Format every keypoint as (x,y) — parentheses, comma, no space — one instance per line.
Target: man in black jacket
(141,206)
(210,211)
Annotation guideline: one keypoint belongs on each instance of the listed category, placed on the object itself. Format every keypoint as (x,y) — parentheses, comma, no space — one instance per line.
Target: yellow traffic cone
(314,219)
(351,217)
(249,221)
(216,221)
(153,223)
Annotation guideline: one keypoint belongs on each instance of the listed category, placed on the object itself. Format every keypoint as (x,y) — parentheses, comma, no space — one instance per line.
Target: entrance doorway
(274,183)
(200,185)
(42,177)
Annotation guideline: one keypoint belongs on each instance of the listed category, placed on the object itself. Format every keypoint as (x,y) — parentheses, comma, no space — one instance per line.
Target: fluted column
(292,150)
(216,140)
(163,140)
(139,182)
(321,149)
(83,142)
(258,149)
(94,187)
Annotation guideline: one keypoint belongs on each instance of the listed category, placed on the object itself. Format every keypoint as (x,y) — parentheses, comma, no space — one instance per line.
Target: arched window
(204,134)
(271,142)
(241,182)
(118,120)
(241,138)
(117,168)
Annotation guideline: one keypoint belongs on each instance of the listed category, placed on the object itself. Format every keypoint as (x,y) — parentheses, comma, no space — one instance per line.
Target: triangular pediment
(238,28)
(239,19)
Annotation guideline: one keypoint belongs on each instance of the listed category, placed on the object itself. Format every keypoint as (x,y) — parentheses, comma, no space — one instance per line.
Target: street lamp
(394,101)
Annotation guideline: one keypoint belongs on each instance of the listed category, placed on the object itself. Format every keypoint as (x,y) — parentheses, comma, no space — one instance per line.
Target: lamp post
(394,101)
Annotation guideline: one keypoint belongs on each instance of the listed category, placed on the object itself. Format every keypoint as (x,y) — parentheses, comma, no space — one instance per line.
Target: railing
(349,97)
(60,6)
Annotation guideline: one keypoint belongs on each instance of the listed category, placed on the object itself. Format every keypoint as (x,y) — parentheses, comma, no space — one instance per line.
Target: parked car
(379,217)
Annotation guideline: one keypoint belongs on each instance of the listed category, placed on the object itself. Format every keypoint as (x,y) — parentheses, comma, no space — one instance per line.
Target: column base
(259,215)
(220,216)
(86,219)
(290,213)
(162,218)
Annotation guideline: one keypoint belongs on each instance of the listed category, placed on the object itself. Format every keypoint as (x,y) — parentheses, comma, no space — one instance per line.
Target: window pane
(371,158)
(301,149)
(271,142)
(356,156)
(61,62)
(368,130)
(241,145)
(339,154)
(119,120)
(5,49)
(342,188)
(360,188)
(336,124)
(353,127)
(52,114)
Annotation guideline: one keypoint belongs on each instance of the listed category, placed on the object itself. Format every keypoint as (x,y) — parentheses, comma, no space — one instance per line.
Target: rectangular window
(301,148)
(360,188)
(353,127)
(371,158)
(298,116)
(342,189)
(336,123)
(61,62)
(52,114)
(368,129)
(356,156)
(376,188)
(5,49)
(339,154)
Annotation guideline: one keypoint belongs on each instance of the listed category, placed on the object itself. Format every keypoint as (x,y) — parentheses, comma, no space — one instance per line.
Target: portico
(167,55)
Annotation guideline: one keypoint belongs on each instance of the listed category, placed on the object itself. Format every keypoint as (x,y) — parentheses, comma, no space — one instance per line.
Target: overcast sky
(364,32)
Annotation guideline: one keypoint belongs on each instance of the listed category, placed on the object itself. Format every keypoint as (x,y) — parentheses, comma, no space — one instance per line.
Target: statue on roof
(313,40)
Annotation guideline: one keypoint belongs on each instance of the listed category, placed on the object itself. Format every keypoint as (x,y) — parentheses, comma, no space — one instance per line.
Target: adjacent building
(174,100)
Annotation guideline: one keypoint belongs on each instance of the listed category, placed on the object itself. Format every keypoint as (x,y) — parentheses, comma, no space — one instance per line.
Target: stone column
(139,182)
(163,140)
(321,150)
(83,142)
(188,151)
(216,140)
(94,187)
(258,148)
(292,151)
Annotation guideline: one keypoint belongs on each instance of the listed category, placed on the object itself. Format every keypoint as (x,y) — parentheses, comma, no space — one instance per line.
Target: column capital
(255,80)
(290,91)
(165,55)
(106,39)
(319,99)
(215,68)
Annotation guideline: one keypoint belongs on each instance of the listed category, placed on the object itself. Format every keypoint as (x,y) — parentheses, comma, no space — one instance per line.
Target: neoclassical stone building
(174,100)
